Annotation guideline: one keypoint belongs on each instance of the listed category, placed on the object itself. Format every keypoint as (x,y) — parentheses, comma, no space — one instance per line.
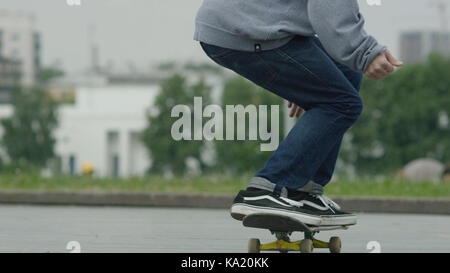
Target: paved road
(125,229)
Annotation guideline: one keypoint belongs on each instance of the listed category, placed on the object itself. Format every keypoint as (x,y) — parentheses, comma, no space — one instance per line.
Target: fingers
(293,110)
(380,67)
(296,111)
(299,112)
(387,67)
(376,73)
(392,59)
(383,66)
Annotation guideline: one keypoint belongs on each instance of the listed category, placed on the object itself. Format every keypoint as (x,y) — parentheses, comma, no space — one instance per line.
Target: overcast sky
(146,32)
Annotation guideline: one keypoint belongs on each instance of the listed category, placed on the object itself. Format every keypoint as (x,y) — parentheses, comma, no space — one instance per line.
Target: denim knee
(351,109)
(355,109)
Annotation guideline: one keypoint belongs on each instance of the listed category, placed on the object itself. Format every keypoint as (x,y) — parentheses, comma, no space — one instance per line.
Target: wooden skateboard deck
(283,223)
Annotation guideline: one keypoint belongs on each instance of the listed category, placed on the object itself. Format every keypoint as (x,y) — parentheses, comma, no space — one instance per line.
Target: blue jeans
(302,72)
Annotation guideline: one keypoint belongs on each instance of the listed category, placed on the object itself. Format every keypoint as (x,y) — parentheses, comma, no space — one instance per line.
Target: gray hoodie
(240,24)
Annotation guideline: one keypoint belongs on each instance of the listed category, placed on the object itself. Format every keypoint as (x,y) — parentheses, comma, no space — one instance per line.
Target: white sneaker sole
(245,209)
(239,211)
(339,220)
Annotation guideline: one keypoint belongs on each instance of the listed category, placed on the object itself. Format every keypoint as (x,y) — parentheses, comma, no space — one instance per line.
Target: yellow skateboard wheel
(335,245)
(306,246)
(254,246)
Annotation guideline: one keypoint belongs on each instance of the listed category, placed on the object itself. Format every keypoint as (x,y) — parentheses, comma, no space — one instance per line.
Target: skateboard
(282,227)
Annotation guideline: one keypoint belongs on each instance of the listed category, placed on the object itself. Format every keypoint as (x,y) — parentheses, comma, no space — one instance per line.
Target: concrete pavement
(137,229)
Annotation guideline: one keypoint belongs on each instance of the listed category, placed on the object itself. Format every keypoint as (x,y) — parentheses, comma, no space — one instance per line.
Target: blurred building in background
(10,75)
(102,128)
(416,46)
(20,42)
(103,110)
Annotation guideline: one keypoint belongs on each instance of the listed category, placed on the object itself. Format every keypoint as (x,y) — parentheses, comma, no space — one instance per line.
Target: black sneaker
(252,201)
(330,211)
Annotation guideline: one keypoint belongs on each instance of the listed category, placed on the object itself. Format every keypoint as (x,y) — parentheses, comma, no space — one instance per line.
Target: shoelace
(317,190)
(331,202)
(326,201)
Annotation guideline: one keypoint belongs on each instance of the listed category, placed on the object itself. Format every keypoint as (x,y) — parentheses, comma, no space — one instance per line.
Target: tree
(405,117)
(46,74)
(203,68)
(168,154)
(240,156)
(28,133)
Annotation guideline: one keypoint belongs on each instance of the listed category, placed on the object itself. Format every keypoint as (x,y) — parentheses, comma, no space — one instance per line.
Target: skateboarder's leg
(325,171)
(303,73)
(308,77)
(309,143)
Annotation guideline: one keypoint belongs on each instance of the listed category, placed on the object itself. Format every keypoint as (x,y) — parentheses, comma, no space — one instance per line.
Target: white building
(103,125)
(416,46)
(102,128)
(20,41)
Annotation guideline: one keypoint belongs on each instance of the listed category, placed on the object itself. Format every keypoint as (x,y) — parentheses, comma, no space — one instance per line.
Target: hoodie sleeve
(340,27)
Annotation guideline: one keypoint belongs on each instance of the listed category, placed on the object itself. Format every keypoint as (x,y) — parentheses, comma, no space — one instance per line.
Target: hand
(382,66)
(295,111)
